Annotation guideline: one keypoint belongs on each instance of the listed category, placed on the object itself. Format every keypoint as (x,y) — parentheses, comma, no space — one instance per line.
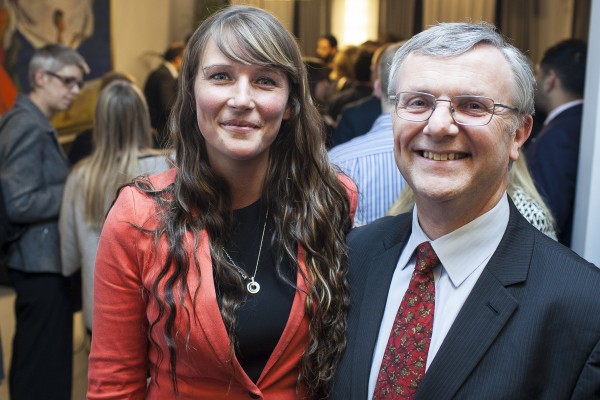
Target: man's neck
(441,218)
(558,99)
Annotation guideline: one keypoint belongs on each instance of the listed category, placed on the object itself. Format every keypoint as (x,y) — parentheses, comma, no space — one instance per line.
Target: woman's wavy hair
(307,202)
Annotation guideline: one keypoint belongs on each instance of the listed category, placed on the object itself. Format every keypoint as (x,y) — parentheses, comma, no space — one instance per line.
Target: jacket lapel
(485,312)
(380,271)
(295,319)
(207,307)
(214,329)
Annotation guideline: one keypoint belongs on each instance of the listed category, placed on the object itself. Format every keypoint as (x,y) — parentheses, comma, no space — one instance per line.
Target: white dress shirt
(171,69)
(463,254)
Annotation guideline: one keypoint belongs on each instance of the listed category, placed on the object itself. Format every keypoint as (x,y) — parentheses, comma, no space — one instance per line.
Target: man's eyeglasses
(69,81)
(465,110)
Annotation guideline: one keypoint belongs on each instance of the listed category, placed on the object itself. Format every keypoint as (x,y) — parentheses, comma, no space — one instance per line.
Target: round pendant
(253,287)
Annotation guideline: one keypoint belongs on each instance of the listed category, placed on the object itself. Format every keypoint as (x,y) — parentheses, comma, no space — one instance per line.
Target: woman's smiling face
(239,107)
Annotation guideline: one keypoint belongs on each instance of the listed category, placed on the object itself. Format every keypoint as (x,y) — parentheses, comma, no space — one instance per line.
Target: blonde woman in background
(520,188)
(123,137)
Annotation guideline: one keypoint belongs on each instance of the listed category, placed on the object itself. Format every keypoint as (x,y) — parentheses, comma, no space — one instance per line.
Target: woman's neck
(245,184)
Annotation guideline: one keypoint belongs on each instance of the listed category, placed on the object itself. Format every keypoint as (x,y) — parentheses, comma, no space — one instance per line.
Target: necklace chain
(252,286)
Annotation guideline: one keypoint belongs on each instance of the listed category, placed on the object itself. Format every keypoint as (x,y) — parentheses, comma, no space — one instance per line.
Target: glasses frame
(396,98)
(68,81)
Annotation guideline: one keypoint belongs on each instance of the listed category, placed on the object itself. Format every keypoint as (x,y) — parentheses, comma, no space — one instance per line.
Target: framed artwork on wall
(26,25)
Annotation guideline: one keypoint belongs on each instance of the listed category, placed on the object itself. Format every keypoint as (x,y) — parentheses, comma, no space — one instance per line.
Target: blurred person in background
(553,155)
(123,151)
(33,170)
(160,90)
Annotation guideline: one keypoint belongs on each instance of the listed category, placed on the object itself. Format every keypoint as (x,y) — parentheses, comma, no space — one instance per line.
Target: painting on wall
(26,25)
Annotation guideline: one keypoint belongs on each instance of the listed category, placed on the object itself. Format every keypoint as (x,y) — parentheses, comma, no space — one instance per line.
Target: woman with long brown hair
(226,276)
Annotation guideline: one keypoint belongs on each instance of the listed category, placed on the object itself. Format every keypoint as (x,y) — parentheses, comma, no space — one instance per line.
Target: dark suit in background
(356,119)
(553,155)
(160,91)
(553,158)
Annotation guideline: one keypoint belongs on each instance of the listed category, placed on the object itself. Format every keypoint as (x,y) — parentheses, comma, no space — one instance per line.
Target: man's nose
(441,120)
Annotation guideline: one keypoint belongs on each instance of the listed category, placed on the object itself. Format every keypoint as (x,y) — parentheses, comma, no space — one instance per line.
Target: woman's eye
(219,76)
(265,81)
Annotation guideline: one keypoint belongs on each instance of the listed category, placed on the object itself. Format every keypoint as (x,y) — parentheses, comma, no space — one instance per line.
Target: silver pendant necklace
(253,287)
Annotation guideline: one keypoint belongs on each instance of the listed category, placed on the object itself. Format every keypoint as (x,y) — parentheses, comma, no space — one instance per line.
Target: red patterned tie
(405,356)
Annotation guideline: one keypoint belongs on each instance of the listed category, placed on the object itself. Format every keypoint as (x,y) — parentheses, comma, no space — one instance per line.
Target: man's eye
(417,103)
(473,106)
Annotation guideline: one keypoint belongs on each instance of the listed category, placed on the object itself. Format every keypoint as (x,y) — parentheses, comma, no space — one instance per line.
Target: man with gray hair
(462,297)
(33,170)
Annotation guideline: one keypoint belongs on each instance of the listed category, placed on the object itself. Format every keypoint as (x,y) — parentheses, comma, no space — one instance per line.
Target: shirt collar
(171,69)
(560,109)
(41,119)
(462,251)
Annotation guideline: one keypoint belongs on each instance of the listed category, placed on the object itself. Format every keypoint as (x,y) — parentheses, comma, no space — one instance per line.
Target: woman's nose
(241,96)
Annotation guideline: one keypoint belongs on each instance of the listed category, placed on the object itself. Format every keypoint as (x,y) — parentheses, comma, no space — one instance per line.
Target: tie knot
(426,258)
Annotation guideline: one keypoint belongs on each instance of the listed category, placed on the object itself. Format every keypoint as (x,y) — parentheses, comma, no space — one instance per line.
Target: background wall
(141,30)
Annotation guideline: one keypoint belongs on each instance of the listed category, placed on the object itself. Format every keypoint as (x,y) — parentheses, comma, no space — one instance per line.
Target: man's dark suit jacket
(553,157)
(160,91)
(530,329)
(356,119)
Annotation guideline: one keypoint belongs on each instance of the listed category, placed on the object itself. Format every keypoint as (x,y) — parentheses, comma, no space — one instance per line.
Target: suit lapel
(380,271)
(485,312)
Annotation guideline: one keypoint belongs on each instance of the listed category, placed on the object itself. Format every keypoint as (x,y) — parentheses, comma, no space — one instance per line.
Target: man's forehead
(70,70)
(482,62)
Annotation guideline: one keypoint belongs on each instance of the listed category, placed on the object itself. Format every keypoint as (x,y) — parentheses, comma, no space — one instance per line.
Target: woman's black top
(262,317)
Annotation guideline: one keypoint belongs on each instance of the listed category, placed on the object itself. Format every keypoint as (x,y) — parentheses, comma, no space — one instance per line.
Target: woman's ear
(293,108)
(287,113)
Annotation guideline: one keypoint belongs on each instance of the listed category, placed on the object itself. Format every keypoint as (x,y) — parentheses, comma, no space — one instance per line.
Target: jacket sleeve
(28,196)
(118,361)
(69,243)
(588,385)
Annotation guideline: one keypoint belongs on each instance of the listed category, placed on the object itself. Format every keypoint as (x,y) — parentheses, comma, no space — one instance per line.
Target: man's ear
(550,81)
(520,136)
(377,88)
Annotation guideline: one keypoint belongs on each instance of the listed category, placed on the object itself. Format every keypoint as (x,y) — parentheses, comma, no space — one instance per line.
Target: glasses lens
(414,106)
(69,81)
(472,110)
